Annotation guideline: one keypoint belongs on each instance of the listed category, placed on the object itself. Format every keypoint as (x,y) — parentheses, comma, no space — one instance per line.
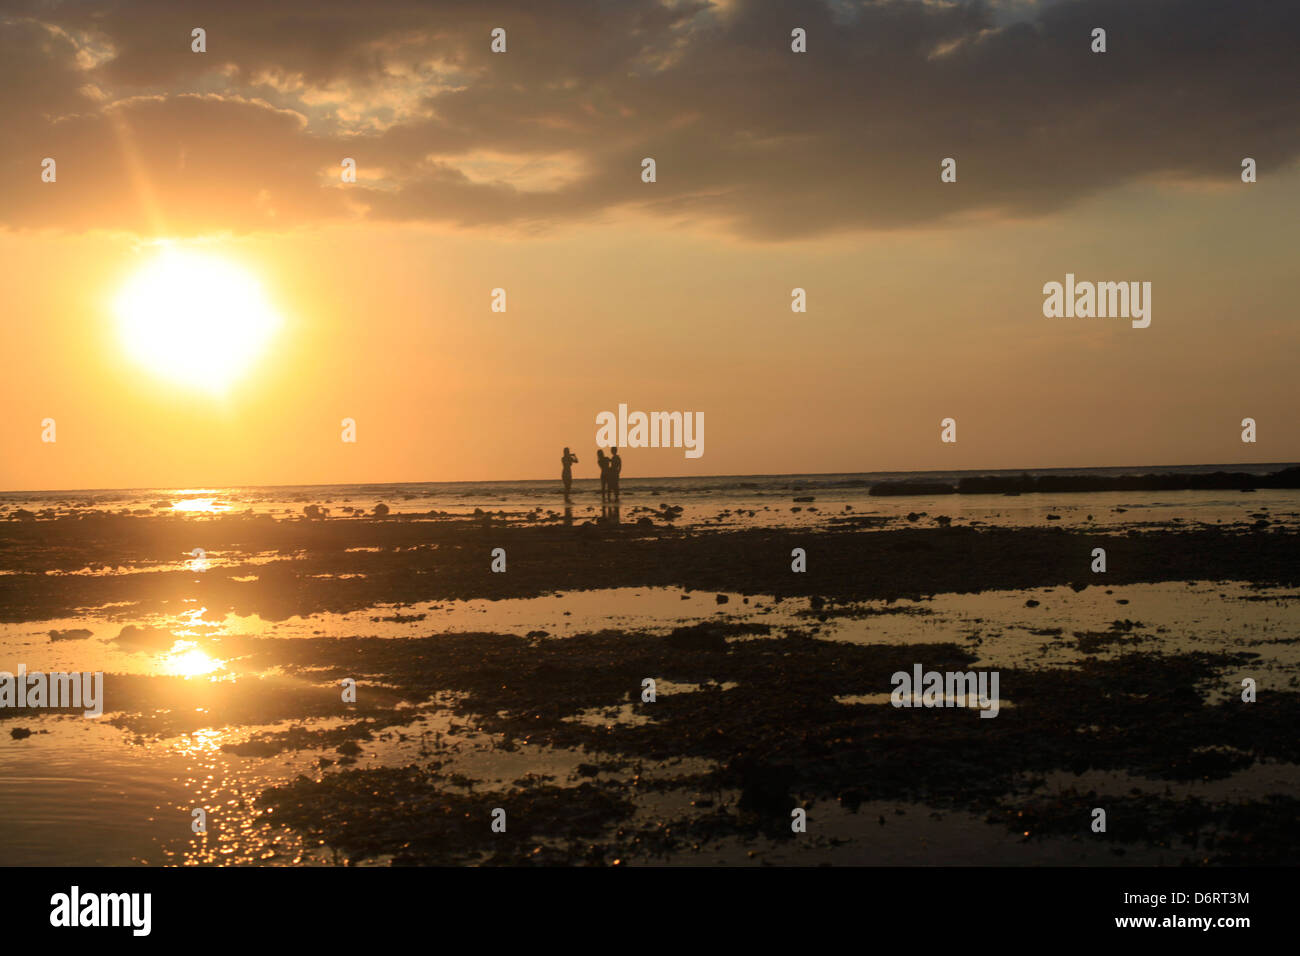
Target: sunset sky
(522,171)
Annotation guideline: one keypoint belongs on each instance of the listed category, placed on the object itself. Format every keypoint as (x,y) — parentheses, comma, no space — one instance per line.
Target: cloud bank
(748,136)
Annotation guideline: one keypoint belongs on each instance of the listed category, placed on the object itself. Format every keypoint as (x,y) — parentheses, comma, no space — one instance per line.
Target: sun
(194,319)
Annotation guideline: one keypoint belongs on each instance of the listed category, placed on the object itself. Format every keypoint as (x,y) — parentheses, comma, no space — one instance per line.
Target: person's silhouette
(566,470)
(603,462)
(615,469)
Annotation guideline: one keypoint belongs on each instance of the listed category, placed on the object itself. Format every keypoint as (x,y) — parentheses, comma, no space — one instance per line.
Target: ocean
(725,501)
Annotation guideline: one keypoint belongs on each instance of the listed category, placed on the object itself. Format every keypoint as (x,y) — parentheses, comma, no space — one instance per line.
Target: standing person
(615,469)
(566,470)
(604,473)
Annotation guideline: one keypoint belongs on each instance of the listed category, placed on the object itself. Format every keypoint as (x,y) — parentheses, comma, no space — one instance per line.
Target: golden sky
(521,171)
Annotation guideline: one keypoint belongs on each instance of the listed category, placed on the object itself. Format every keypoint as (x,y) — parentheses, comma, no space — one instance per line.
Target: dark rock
(764,788)
(904,487)
(704,636)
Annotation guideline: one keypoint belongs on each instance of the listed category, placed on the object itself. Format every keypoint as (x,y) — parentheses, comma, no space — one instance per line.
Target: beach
(225,637)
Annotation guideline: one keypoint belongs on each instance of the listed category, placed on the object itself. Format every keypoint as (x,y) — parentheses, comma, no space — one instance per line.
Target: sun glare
(200,506)
(185,659)
(194,319)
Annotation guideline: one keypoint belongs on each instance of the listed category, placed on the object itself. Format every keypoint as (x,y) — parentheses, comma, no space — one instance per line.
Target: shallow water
(1166,617)
(83,791)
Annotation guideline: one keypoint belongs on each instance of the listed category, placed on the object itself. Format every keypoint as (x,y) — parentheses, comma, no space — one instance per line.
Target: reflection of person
(566,471)
(615,469)
(604,473)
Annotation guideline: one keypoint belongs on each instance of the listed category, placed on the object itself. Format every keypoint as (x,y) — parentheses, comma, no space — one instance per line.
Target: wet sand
(481,690)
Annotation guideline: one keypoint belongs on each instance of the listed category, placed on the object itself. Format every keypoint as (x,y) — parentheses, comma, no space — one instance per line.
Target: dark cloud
(746,134)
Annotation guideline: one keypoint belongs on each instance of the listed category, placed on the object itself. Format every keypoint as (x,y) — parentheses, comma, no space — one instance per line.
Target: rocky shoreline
(753,719)
(1026,483)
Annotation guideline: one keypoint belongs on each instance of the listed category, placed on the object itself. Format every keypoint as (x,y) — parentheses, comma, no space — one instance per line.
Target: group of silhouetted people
(611,467)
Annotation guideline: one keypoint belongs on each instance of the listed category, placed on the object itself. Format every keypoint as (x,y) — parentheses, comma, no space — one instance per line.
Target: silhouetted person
(566,470)
(615,469)
(604,473)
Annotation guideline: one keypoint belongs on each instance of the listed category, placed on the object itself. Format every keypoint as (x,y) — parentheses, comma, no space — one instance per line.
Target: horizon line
(819,474)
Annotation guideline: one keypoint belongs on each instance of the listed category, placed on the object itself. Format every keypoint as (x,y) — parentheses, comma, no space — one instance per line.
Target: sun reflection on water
(200,506)
(186,659)
(200,742)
